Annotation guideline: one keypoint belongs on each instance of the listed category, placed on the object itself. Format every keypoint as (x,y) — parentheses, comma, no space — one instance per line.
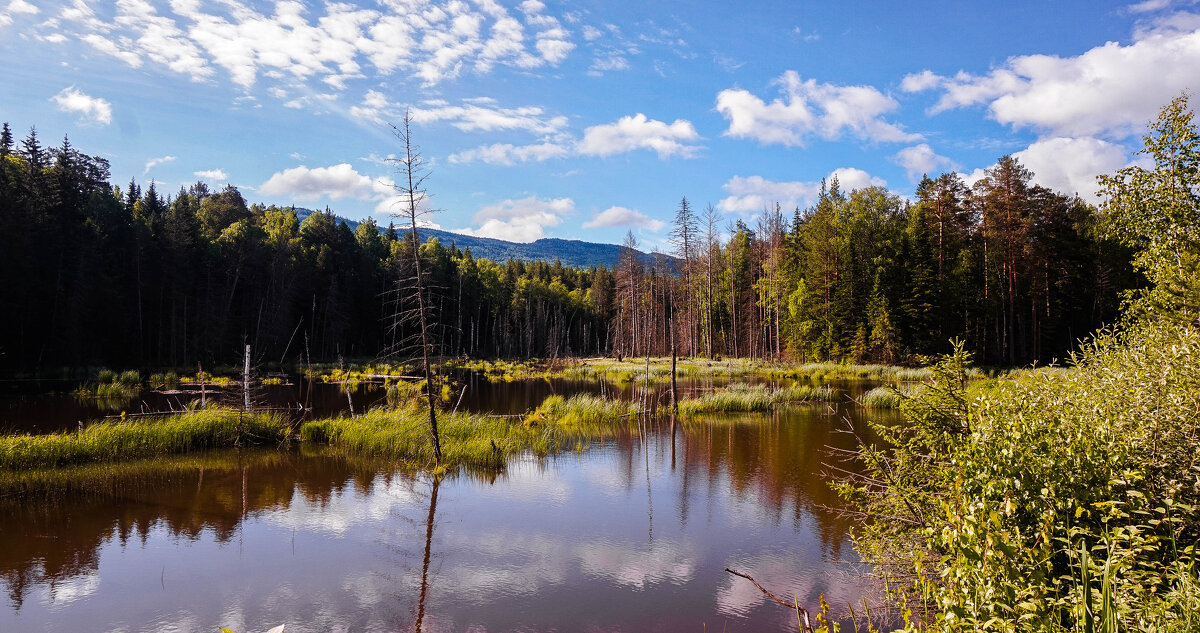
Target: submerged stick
(800,611)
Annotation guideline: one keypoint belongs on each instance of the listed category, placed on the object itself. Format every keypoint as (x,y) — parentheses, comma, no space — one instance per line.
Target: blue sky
(588,119)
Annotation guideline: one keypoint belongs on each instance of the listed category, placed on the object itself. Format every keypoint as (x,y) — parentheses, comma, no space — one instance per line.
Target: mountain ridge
(572,253)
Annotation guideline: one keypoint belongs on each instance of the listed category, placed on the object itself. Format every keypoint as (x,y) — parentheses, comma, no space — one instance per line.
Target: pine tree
(6,140)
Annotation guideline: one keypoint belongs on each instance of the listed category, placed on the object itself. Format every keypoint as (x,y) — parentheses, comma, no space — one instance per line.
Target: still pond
(627,535)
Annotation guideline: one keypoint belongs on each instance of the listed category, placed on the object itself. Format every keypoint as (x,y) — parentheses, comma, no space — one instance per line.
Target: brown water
(632,535)
(48,406)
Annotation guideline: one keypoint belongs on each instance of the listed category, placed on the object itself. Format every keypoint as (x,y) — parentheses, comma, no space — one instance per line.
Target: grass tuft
(145,437)
(741,398)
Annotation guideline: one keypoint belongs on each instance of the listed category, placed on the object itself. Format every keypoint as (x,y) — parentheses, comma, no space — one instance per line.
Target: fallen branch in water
(801,612)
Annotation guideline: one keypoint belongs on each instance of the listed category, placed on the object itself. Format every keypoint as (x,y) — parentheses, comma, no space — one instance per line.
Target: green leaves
(1157,212)
(1062,500)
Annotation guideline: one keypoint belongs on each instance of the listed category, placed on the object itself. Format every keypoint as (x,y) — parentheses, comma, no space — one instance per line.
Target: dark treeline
(1018,271)
(96,274)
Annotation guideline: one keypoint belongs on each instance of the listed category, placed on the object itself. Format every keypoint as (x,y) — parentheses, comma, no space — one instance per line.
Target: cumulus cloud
(808,108)
(1110,90)
(216,175)
(750,195)
(921,159)
(334,182)
(16,7)
(522,220)
(1071,165)
(620,216)
(86,107)
(306,185)
(639,132)
(432,40)
(155,162)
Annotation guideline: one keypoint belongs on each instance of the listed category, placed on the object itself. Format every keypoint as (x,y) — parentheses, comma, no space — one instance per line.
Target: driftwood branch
(801,612)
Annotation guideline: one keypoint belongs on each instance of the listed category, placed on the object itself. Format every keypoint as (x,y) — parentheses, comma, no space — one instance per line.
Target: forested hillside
(575,253)
(94,273)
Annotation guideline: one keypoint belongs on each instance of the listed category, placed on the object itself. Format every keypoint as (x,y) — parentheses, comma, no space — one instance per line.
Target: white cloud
(750,195)
(1110,90)
(521,220)
(20,7)
(508,154)
(486,118)
(93,109)
(481,114)
(620,216)
(335,182)
(330,43)
(808,108)
(607,63)
(1147,6)
(638,132)
(1071,165)
(154,162)
(212,174)
(851,178)
(921,159)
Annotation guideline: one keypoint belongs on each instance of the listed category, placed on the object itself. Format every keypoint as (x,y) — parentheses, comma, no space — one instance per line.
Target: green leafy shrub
(1058,501)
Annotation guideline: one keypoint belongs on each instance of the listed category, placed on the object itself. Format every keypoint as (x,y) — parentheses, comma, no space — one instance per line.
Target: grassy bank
(631,370)
(143,437)
(108,478)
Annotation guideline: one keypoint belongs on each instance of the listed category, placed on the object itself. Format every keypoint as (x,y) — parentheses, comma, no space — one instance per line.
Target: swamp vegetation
(1061,500)
(1048,499)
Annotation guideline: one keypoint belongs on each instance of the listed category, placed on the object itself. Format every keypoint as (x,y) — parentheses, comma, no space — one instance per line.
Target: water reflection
(47,406)
(631,535)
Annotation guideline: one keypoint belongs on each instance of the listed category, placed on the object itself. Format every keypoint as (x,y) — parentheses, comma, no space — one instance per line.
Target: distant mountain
(574,253)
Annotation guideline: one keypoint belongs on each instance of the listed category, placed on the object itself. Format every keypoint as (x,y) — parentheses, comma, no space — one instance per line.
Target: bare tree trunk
(411,171)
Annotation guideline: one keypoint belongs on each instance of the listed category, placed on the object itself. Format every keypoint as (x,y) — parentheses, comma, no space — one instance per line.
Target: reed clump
(164,380)
(741,398)
(112,386)
(582,411)
(888,397)
(402,433)
(145,437)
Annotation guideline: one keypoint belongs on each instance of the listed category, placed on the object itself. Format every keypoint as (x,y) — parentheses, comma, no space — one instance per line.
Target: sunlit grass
(143,437)
(888,397)
(741,398)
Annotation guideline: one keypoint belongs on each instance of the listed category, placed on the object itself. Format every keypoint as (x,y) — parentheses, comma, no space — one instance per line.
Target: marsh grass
(144,437)
(740,398)
(116,389)
(633,370)
(888,396)
(107,478)
(164,380)
(475,440)
(402,433)
(583,412)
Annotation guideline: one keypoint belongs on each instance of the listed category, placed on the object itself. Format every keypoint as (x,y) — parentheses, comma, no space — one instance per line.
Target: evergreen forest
(97,273)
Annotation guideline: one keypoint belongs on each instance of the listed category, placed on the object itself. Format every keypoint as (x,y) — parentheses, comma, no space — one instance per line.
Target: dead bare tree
(412,172)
